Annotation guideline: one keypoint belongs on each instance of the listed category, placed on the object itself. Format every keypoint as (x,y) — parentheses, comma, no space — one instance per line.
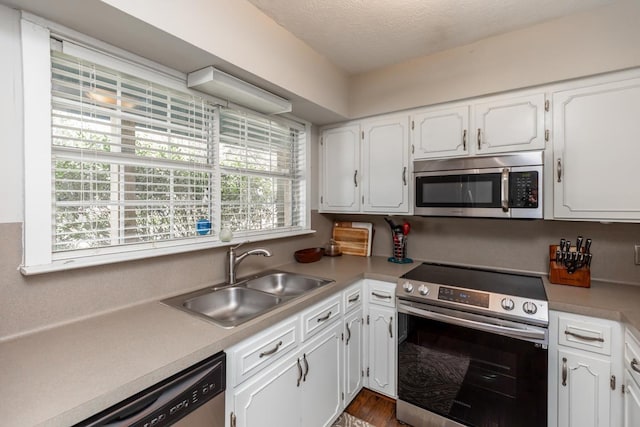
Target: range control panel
(490,303)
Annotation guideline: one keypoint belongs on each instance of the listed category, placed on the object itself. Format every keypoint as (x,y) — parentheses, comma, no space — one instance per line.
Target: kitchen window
(137,165)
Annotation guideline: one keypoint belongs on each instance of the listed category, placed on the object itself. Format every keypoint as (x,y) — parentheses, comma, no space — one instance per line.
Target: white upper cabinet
(365,167)
(441,133)
(340,169)
(497,124)
(385,165)
(596,147)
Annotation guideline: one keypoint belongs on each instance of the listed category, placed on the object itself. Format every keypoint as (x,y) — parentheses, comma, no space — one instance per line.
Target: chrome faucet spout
(233,260)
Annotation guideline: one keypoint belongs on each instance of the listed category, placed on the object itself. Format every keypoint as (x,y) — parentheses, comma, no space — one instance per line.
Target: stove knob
(529,308)
(507,304)
(408,287)
(423,290)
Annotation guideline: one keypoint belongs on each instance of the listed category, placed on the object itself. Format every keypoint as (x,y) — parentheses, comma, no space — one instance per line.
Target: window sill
(136,254)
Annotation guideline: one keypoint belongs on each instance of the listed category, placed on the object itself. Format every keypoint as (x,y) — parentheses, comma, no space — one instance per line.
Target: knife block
(559,275)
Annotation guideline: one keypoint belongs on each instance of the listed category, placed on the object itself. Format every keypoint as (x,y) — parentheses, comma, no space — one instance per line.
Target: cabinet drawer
(352,297)
(381,293)
(252,355)
(632,355)
(584,333)
(320,315)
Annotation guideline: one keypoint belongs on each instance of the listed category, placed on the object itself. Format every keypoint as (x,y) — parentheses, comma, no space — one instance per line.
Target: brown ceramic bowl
(309,255)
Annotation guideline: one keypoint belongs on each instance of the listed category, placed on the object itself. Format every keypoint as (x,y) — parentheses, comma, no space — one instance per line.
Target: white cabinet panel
(441,133)
(353,355)
(382,350)
(631,401)
(596,145)
(385,164)
(340,169)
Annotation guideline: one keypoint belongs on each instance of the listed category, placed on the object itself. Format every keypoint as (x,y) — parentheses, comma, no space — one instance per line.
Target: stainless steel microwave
(501,186)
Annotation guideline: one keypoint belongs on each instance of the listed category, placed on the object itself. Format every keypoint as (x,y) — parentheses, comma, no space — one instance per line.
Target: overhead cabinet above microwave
(487,126)
(365,167)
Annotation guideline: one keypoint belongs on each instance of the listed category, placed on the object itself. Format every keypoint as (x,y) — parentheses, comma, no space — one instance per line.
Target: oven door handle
(526,334)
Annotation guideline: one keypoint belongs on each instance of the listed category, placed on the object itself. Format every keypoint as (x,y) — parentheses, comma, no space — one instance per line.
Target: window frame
(38,256)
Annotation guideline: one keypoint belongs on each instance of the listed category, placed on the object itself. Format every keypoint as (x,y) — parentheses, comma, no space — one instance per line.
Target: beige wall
(601,40)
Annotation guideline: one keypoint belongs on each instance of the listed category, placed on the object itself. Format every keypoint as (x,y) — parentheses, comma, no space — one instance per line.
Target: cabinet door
(272,399)
(583,390)
(382,350)
(322,379)
(340,169)
(631,402)
(440,133)
(596,145)
(385,164)
(353,355)
(509,124)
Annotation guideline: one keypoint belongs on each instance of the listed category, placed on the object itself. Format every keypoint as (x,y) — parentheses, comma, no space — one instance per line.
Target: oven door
(465,369)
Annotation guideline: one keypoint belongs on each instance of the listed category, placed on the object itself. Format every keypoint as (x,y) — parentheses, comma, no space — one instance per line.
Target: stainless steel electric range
(472,348)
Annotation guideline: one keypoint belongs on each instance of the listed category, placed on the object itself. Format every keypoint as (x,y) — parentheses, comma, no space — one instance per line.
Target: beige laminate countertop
(63,375)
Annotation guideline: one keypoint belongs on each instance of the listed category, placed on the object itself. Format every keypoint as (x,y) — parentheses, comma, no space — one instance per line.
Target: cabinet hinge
(342,394)
(367,372)
(413,149)
(612,382)
(362,134)
(321,200)
(546,135)
(367,319)
(342,334)
(546,105)
(622,388)
(363,373)
(321,140)
(363,200)
(413,125)
(233,420)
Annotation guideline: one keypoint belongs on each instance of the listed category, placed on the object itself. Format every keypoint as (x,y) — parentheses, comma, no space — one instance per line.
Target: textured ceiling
(362,35)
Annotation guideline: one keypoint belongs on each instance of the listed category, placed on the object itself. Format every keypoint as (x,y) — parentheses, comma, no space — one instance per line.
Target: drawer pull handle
(299,372)
(634,365)
(584,337)
(306,367)
(270,352)
(322,319)
(375,294)
(354,298)
(348,333)
(564,371)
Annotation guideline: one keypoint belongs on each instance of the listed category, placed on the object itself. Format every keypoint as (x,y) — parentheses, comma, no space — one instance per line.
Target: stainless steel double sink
(232,305)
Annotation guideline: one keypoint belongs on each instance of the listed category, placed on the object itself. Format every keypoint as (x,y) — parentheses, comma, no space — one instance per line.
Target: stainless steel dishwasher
(191,398)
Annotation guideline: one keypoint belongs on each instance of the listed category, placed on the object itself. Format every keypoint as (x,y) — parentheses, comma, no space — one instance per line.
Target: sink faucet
(233,260)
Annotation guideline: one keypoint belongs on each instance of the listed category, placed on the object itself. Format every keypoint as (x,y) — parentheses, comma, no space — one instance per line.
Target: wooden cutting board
(352,240)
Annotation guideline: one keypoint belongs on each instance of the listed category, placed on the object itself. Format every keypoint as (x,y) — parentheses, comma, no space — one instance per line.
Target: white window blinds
(132,161)
(262,173)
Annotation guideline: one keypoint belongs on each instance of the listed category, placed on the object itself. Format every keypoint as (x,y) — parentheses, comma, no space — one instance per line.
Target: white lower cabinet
(631,401)
(585,371)
(353,354)
(381,336)
(304,390)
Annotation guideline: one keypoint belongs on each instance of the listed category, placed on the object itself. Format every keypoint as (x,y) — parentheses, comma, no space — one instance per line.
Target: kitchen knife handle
(355,178)
(479,138)
(464,140)
(505,190)
(587,246)
(404,175)
(559,170)
(564,371)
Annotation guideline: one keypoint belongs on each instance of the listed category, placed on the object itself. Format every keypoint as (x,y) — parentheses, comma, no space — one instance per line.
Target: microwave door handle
(505,190)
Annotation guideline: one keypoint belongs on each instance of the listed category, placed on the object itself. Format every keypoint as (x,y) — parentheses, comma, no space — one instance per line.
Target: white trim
(36,66)
(91,261)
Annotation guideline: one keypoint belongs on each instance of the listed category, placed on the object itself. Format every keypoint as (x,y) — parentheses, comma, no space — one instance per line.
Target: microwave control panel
(523,189)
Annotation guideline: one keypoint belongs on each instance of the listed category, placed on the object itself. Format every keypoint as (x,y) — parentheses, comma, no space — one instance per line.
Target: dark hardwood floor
(375,409)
